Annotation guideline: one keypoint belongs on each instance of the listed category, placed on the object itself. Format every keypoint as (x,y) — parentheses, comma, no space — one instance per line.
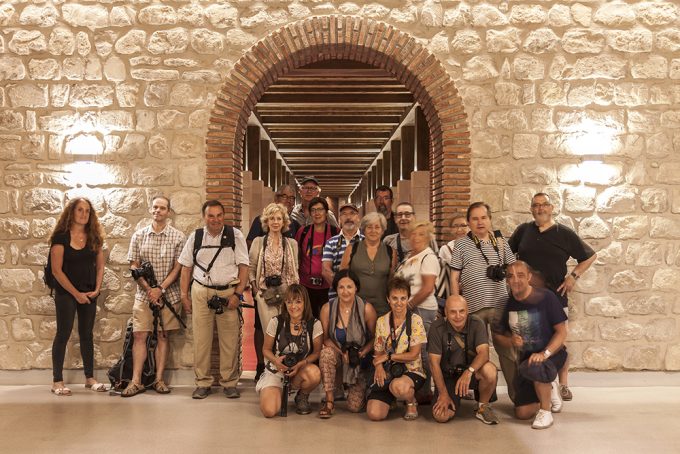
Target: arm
(100,274)
(253,256)
(463,383)
(234,300)
(184,284)
(371,317)
(556,342)
(344,264)
(269,355)
(57,259)
(570,281)
(134,264)
(444,401)
(455,282)
(426,289)
(408,356)
(313,357)
(327,272)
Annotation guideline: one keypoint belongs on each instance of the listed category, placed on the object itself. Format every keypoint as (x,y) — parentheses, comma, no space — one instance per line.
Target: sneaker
(200,392)
(543,420)
(302,404)
(565,393)
(486,414)
(231,392)
(555,399)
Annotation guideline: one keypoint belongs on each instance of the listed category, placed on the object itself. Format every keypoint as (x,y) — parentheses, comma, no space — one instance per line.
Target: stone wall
(575,98)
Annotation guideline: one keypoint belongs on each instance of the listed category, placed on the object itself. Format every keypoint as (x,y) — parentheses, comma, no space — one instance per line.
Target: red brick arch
(350,38)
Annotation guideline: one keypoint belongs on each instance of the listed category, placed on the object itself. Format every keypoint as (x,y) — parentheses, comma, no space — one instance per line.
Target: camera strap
(400,250)
(406,326)
(310,241)
(463,344)
(494,243)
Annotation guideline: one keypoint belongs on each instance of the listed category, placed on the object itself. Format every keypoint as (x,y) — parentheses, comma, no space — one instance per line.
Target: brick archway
(351,38)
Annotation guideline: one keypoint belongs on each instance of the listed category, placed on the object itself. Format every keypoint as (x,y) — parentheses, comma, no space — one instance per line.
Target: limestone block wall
(577,98)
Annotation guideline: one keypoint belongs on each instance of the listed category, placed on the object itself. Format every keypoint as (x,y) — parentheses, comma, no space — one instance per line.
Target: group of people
(368,307)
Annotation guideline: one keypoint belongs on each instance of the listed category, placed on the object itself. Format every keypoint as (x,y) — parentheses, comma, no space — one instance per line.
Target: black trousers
(67,307)
(318,297)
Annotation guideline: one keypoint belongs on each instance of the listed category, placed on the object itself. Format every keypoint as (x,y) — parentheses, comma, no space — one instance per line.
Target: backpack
(120,374)
(48,277)
(310,330)
(227,240)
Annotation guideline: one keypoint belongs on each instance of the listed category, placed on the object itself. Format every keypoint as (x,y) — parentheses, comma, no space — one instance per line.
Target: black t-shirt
(392,227)
(533,319)
(80,265)
(257,231)
(547,252)
(473,335)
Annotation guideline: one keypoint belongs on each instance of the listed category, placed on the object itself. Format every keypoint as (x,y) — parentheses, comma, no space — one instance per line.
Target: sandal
(327,410)
(411,415)
(160,387)
(61,391)
(132,390)
(96,387)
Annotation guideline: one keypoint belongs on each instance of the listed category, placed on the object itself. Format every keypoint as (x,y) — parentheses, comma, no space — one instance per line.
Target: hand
(296,368)
(537,358)
(567,285)
(155,294)
(517,340)
(93,294)
(233,302)
(379,376)
(345,357)
(82,298)
(379,358)
(443,405)
(463,384)
(186,304)
(278,362)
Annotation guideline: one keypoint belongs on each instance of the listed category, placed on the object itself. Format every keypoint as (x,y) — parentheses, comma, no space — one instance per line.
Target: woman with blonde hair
(273,262)
(77,264)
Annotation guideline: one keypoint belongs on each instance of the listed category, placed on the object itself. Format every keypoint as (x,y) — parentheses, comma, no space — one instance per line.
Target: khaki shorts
(142,317)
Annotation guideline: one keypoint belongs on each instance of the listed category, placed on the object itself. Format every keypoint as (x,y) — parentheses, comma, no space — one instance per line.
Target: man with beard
(335,246)
(382,199)
(309,189)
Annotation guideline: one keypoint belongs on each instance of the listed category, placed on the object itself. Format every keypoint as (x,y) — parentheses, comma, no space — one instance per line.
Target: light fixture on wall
(592,139)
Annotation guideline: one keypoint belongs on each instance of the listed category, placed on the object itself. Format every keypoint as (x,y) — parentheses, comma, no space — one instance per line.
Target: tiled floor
(619,420)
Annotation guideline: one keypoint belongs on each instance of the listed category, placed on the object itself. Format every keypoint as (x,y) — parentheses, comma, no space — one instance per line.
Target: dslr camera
(495,272)
(316,281)
(273,281)
(352,350)
(291,359)
(454,371)
(216,303)
(146,271)
(394,369)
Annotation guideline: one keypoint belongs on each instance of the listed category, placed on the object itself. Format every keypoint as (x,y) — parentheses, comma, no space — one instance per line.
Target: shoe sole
(199,397)
(306,412)
(489,423)
(131,395)
(541,428)
(232,396)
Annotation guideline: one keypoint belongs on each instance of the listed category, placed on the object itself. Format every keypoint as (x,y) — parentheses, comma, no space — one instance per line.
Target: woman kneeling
(291,346)
(399,338)
(348,324)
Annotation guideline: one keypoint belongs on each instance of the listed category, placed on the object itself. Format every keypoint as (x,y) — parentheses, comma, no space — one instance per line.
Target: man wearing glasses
(382,199)
(546,246)
(286,197)
(308,190)
(406,217)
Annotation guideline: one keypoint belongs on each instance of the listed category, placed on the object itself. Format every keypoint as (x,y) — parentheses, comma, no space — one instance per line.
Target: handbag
(273,296)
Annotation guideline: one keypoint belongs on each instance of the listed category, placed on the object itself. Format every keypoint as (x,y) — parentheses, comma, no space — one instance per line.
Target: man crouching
(458,348)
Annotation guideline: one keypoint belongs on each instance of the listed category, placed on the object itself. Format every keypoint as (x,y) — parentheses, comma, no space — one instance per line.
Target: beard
(382,209)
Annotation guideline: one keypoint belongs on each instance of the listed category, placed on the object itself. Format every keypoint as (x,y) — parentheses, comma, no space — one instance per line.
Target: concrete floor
(599,420)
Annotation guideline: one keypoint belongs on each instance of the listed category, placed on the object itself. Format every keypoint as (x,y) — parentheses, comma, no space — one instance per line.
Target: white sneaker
(543,420)
(555,398)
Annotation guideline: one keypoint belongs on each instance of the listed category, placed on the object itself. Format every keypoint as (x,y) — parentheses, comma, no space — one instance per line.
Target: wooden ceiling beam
(331,98)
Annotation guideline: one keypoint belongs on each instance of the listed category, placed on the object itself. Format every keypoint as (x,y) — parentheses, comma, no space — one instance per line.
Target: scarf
(355,333)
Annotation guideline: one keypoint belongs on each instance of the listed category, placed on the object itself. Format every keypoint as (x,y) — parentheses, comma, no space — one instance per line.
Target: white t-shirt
(445,252)
(424,263)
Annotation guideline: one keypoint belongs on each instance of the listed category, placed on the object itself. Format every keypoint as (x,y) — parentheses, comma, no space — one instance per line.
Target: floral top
(383,341)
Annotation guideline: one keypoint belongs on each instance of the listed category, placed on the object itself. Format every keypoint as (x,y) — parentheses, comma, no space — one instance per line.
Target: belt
(217,287)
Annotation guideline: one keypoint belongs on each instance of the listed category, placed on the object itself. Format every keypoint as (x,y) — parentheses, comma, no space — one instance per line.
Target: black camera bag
(120,374)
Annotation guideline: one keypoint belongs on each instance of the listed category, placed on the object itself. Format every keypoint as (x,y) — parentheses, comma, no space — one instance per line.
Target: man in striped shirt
(335,246)
(478,263)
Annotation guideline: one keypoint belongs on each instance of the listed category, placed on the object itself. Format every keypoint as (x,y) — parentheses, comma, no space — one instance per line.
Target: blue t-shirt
(533,319)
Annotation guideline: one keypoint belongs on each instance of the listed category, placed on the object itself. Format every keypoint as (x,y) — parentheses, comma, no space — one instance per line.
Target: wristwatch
(574,275)
(547,353)
(240,296)
(471,369)
(162,289)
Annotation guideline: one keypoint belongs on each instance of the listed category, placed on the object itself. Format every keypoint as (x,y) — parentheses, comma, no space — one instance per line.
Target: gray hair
(372,218)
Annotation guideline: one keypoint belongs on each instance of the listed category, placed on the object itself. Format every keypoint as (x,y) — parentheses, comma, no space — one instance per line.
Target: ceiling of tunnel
(331,119)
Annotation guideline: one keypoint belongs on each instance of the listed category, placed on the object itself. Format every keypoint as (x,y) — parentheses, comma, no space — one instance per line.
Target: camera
(273,281)
(291,359)
(352,350)
(215,303)
(394,369)
(316,281)
(496,272)
(145,270)
(454,371)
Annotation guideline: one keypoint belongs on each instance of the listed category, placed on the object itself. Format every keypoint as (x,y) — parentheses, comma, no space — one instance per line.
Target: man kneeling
(534,323)
(458,351)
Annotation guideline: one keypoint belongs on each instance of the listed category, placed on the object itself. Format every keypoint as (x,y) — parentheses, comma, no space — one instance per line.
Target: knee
(269,408)
(526,411)
(375,414)
(442,417)
(400,389)
(140,336)
(311,374)
(488,372)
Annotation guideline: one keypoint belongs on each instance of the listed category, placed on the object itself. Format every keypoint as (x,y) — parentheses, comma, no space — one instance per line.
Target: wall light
(84,146)
(87,173)
(592,139)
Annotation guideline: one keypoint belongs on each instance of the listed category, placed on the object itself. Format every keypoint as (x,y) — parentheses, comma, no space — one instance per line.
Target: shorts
(525,393)
(270,379)
(142,317)
(450,383)
(384,395)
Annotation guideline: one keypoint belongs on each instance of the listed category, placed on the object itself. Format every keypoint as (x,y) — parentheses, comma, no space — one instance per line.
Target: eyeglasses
(541,205)
(285,197)
(459,226)
(317,210)
(309,188)
(406,214)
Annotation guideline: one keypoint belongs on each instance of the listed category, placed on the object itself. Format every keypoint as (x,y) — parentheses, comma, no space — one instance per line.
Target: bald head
(456,311)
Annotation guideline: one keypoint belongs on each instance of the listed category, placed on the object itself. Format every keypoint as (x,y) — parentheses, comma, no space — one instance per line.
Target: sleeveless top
(373,275)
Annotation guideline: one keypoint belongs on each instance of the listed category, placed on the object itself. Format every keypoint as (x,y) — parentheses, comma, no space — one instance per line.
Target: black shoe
(232,392)
(259,370)
(200,393)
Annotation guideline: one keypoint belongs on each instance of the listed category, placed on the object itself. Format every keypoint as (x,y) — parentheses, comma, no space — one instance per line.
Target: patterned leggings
(329,362)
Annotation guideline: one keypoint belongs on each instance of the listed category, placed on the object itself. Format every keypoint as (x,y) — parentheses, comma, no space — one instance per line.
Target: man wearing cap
(309,189)
(335,246)
(382,199)
(533,322)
